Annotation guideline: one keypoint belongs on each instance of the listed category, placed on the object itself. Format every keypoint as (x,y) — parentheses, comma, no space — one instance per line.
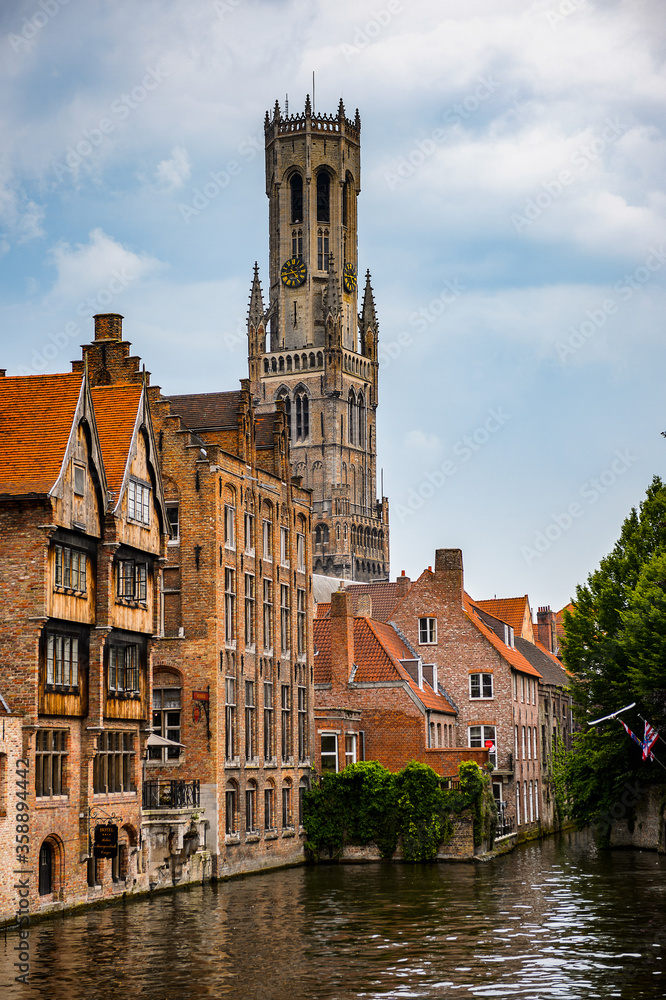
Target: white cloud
(100,267)
(171,173)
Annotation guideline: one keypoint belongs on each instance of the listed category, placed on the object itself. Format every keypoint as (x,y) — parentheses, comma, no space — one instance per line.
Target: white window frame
(328,754)
(427,631)
(249,533)
(482,685)
(483,737)
(284,547)
(300,552)
(229,526)
(138,502)
(175,538)
(267,540)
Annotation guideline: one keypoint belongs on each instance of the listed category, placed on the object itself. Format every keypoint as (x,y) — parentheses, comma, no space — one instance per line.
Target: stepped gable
(36,417)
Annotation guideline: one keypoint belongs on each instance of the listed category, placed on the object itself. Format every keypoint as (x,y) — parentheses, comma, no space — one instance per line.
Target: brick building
(82,530)
(375,698)
(232,670)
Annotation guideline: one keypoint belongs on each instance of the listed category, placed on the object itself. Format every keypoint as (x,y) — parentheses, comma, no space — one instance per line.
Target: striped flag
(633,735)
(649,740)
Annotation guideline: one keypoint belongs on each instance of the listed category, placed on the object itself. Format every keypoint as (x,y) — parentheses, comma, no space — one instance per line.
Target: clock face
(294,272)
(349,276)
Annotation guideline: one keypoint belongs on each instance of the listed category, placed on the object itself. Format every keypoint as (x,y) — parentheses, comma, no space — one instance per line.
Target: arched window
(283,394)
(351,417)
(322,250)
(302,415)
(45,869)
(345,204)
(266,366)
(296,186)
(297,243)
(361,420)
(231,807)
(323,196)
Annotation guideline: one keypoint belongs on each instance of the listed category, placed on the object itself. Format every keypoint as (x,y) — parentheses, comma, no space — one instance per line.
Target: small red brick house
(375,699)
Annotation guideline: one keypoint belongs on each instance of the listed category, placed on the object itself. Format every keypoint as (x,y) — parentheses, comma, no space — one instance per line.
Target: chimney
(547,628)
(449,569)
(364,606)
(342,639)
(108,326)
(403,583)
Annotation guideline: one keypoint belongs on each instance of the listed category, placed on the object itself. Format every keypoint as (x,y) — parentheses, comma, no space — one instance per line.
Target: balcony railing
(505,824)
(170,794)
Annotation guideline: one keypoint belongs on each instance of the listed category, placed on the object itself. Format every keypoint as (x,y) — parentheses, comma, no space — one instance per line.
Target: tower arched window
(352,417)
(297,243)
(345,204)
(296,186)
(323,196)
(302,402)
(361,420)
(322,250)
(284,396)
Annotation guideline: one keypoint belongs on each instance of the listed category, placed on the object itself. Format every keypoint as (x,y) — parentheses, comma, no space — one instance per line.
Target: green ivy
(367,803)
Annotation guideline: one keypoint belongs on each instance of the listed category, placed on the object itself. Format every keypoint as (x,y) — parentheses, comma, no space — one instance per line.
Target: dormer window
(79,480)
(138,502)
(508,636)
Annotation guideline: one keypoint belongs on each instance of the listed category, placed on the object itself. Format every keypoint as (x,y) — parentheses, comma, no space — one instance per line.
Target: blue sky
(511,214)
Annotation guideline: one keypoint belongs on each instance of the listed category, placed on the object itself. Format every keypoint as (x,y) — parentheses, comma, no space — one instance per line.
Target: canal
(554,919)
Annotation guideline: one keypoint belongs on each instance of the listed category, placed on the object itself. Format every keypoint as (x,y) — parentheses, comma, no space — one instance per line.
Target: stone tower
(311,348)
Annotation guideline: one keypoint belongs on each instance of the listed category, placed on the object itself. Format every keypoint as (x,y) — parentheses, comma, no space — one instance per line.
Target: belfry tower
(310,347)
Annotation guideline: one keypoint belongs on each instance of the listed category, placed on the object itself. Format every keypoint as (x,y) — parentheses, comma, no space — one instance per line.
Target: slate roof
(36,416)
(548,665)
(377,651)
(116,408)
(511,654)
(203,411)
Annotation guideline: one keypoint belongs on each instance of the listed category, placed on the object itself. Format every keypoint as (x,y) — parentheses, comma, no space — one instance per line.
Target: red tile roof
(384,597)
(559,619)
(116,408)
(510,654)
(36,417)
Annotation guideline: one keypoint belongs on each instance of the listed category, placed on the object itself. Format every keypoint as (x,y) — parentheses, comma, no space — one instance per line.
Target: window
(173,521)
(523,741)
(132,581)
(350,749)
(124,670)
(351,417)
(50,760)
(62,661)
(230,718)
(536,800)
(302,416)
(427,631)
(138,502)
(303,787)
(45,869)
(267,536)
(302,723)
(522,687)
(301,622)
(249,534)
(113,766)
(268,614)
(269,736)
(515,742)
(296,251)
(515,687)
(284,618)
(480,685)
(329,752)
(322,250)
(229,526)
(284,546)
(251,808)
(70,568)
(166,722)
(269,808)
(286,722)
(249,610)
(525,812)
(534,743)
(518,820)
(287,819)
(479,736)
(296,188)
(250,722)
(231,808)
(79,480)
(531,804)
(300,552)
(229,605)
(323,197)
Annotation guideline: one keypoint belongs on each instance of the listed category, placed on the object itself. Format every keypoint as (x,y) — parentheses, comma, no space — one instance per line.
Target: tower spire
(368,313)
(256,311)
(333,303)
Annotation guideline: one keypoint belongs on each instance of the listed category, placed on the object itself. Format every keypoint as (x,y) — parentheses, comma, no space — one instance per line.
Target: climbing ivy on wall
(367,803)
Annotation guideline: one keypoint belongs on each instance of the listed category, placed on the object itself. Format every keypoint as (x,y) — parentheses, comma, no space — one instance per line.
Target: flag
(649,740)
(633,735)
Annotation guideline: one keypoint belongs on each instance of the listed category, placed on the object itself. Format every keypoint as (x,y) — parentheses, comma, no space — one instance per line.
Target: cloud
(93,267)
(171,173)
(20,218)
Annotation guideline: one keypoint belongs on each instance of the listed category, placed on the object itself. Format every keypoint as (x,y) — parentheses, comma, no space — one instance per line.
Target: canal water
(554,919)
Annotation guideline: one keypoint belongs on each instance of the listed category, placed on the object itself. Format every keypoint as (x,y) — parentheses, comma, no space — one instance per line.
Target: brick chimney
(449,572)
(547,629)
(108,326)
(364,606)
(403,583)
(342,639)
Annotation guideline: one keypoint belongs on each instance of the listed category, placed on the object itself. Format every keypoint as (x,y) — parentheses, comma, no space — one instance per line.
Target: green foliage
(366,803)
(615,647)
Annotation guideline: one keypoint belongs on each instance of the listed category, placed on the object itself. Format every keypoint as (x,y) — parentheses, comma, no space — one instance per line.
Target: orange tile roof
(384,595)
(559,618)
(516,659)
(36,417)
(377,651)
(508,609)
(116,408)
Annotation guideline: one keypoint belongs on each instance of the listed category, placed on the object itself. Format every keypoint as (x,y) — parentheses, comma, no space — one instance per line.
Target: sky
(511,215)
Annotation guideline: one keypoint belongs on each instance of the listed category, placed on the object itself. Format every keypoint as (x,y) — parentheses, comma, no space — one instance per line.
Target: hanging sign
(106,841)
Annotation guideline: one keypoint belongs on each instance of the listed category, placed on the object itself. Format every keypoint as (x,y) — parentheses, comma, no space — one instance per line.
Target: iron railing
(171,794)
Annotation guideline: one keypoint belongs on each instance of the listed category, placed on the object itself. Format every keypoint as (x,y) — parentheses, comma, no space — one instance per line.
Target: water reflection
(551,920)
